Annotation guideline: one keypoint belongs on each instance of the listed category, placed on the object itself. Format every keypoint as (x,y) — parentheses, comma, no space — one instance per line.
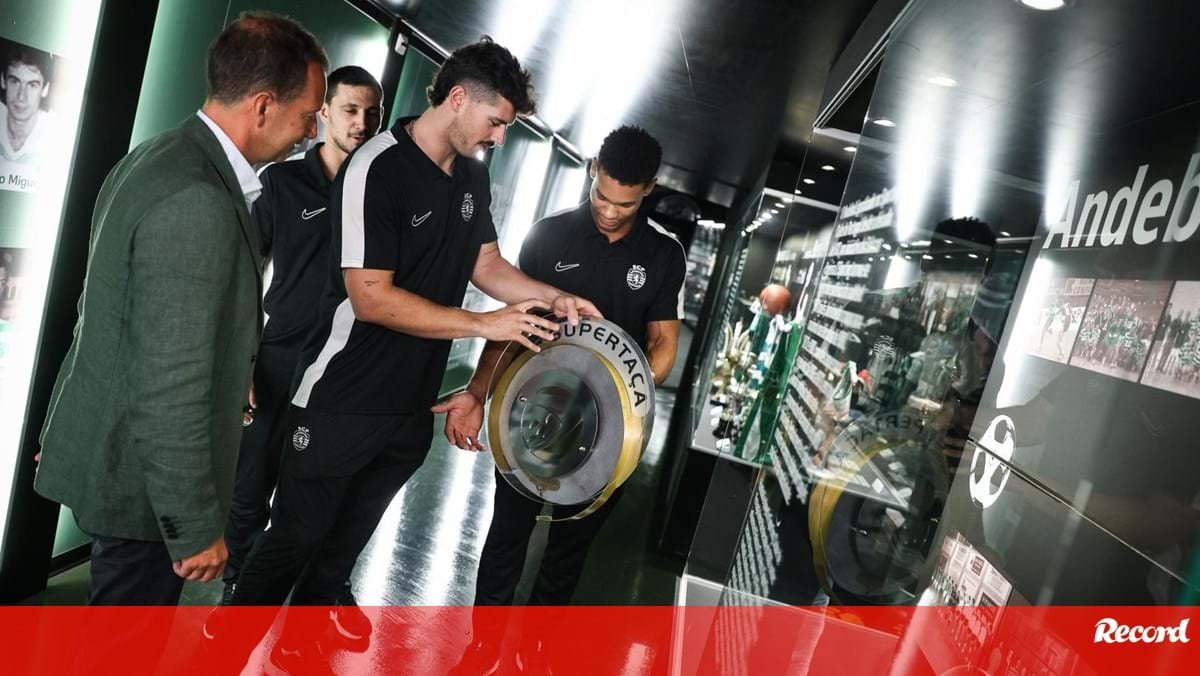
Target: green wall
(173,87)
(410,93)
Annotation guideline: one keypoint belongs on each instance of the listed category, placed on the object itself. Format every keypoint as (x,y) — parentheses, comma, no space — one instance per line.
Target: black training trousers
(503,557)
(338,475)
(258,457)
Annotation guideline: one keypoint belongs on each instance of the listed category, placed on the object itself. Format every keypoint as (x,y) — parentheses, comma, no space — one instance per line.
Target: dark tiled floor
(426,548)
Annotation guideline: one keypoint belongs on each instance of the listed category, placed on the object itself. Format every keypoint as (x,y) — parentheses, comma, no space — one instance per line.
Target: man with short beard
(293,219)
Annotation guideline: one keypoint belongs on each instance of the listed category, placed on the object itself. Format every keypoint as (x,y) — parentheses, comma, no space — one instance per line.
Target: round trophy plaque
(567,425)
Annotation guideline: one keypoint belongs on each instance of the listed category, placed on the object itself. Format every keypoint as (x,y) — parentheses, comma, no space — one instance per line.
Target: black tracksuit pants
(258,458)
(503,558)
(338,475)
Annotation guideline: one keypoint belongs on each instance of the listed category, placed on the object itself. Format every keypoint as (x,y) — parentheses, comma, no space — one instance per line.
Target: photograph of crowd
(1119,325)
(1058,319)
(1174,363)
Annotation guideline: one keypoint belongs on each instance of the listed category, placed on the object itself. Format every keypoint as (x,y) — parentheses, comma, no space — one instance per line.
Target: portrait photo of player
(28,127)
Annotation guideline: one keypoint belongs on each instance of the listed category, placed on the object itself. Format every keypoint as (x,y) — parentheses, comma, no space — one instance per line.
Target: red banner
(605,640)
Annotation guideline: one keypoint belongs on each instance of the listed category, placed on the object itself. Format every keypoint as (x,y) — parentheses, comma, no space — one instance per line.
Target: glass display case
(753,332)
(990,401)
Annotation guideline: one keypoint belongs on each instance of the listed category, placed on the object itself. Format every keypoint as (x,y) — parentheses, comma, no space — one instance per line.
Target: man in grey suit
(141,439)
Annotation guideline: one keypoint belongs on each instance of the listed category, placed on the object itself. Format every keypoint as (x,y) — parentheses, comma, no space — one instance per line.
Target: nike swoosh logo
(306,214)
(417,221)
(559,267)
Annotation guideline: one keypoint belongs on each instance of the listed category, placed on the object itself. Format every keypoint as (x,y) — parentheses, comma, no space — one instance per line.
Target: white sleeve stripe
(354,190)
(339,335)
(666,233)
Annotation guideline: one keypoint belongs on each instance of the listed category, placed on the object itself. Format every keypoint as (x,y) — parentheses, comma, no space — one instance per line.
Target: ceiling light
(948,256)
(888,247)
(809,181)
(927,257)
(1005,234)
(1044,5)
(972,255)
(774,211)
(884,122)
(827,167)
(850,149)
(943,81)
(797,191)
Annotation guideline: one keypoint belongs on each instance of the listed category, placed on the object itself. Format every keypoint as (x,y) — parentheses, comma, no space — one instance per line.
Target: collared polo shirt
(393,209)
(294,226)
(633,281)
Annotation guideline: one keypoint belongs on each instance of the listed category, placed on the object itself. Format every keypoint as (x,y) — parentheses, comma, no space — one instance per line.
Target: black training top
(293,217)
(632,281)
(393,209)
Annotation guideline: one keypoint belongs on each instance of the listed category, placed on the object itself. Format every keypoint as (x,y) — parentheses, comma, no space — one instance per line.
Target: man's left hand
(571,307)
(464,418)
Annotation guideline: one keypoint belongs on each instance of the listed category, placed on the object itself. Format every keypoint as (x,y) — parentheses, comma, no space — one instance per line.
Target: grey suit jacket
(142,434)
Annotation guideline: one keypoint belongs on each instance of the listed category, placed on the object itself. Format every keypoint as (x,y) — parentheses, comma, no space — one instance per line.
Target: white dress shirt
(246,176)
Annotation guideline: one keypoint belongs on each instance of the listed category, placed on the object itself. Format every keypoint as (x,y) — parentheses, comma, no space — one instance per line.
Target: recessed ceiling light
(943,81)
(809,181)
(973,255)
(850,149)
(949,256)
(797,191)
(1044,5)
(927,257)
(1005,234)
(827,167)
(774,211)
(887,246)
(884,122)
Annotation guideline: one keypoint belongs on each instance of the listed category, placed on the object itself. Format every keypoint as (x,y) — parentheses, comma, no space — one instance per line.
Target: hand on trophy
(516,323)
(571,307)
(464,418)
